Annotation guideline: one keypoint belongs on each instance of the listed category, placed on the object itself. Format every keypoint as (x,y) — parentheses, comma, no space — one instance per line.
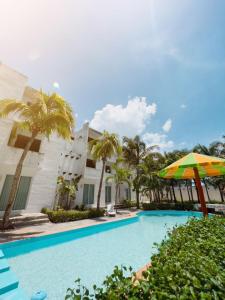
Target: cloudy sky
(150,67)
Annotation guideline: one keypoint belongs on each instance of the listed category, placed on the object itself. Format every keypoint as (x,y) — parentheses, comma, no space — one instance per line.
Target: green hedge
(189,264)
(163,206)
(60,216)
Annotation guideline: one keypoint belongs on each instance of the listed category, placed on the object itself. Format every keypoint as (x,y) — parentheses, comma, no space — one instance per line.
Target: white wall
(43,167)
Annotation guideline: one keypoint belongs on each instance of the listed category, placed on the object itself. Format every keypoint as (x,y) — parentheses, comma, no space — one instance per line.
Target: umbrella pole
(200,193)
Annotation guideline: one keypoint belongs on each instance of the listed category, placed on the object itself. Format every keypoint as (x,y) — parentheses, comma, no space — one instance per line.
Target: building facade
(48,159)
(40,171)
(76,160)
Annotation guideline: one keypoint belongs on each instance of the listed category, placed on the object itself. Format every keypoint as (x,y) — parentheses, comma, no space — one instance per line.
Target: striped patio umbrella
(195,166)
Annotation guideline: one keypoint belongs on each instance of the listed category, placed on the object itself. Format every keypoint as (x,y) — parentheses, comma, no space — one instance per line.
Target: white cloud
(183,106)
(34,55)
(126,120)
(55,85)
(160,140)
(167,125)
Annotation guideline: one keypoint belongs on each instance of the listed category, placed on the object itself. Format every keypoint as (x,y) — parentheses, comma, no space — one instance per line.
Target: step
(31,222)
(16,294)
(28,217)
(4,266)
(1,254)
(8,282)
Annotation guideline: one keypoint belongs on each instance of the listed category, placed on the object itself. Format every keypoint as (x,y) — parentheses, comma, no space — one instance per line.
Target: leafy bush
(189,265)
(163,206)
(45,210)
(73,215)
(129,203)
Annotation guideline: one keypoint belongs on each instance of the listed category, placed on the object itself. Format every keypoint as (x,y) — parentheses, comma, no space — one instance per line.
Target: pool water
(53,262)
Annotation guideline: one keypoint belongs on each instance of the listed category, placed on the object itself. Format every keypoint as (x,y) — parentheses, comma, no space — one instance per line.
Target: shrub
(45,210)
(129,203)
(189,265)
(73,215)
(163,206)
(95,213)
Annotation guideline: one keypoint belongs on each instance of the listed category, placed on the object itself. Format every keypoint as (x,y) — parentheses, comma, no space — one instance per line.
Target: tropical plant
(217,149)
(189,264)
(171,157)
(119,176)
(134,152)
(68,189)
(102,149)
(152,185)
(43,116)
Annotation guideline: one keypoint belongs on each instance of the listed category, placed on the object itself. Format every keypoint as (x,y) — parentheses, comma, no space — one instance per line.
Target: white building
(39,175)
(47,159)
(77,160)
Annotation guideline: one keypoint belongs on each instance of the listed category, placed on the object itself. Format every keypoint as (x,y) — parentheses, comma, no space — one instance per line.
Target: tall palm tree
(134,152)
(102,149)
(45,115)
(217,149)
(119,176)
(151,183)
(171,157)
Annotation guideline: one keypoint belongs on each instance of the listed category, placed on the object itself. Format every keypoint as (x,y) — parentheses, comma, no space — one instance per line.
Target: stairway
(9,284)
(29,219)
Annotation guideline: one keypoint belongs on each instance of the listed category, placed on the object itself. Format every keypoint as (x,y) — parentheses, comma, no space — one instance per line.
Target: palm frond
(9,106)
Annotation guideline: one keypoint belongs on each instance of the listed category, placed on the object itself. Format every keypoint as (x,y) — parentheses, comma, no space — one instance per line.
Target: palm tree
(151,183)
(103,149)
(217,149)
(171,157)
(119,176)
(134,151)
(45,115)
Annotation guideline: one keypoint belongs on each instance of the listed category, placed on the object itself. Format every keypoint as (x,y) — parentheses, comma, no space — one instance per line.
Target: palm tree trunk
(221,193)
(206,188)
(174,195)
(100,184)
(137,198)
(181,195)
(116,194)
(171,196)
(191,192)
(150,195)
(12,195)
(189,198)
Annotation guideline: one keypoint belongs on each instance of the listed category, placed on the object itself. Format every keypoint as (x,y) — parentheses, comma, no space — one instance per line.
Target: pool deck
(23,232)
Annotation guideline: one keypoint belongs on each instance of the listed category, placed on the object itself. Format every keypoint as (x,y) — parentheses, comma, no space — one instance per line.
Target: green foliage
(129,203)
(189,265)
(60,216)
(67,188)
(102,149)
(162,206)
(45,210)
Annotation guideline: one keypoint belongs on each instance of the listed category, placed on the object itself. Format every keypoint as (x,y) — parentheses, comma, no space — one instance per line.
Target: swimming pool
(53,262)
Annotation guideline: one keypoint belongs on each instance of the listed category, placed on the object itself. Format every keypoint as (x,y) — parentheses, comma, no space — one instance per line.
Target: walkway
(22,232)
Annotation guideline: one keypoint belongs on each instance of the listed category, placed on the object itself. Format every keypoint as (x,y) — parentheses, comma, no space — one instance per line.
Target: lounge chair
(110,211)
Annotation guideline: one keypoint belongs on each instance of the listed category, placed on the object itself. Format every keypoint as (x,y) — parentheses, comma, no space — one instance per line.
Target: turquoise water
(52,263)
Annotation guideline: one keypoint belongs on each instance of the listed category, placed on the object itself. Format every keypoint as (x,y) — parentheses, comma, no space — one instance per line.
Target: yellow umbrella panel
(195,166)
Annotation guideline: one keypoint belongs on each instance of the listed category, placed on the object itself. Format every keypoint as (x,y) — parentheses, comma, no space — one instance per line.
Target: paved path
(48,227)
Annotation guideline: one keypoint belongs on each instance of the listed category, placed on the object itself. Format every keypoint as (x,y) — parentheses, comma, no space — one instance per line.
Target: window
(88,193)
(108,194)
(128,194)
(22,140)
(21,195)
(107,169)
(90,139)
(91,163)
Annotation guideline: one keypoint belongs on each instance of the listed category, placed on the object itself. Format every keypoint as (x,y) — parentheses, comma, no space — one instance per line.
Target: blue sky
(154,68)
